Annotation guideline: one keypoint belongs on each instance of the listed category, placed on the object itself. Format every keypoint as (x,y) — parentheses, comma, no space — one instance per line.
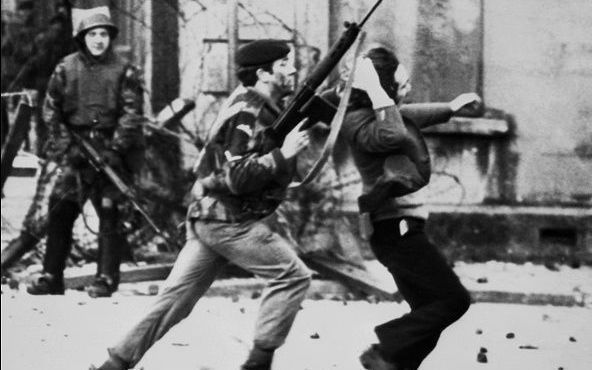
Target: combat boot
(259,359)
(372,359)
(103,286)
(46,284)
(112,363)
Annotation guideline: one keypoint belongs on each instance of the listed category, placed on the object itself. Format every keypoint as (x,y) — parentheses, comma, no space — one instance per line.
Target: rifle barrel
(370,13)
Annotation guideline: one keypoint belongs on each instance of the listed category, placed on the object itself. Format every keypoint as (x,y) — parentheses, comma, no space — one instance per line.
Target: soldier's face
(282,76)
(97,41)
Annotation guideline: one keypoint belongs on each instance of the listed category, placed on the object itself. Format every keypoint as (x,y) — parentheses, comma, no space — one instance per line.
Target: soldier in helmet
(94,93)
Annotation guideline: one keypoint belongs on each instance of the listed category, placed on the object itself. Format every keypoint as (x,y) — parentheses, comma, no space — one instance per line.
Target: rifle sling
(336,124)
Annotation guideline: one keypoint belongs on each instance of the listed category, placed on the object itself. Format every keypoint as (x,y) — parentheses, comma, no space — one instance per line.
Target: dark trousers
(63,213)
(428,284)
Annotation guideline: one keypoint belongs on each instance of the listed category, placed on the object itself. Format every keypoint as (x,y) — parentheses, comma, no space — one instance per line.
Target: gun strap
(336,123)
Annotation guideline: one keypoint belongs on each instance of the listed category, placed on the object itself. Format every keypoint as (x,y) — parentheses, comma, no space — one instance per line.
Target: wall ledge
(463,126)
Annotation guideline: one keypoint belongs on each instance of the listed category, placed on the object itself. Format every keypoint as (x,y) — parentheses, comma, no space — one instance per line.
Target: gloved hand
(197,190)
(366,78)
(112,159)
(76,158)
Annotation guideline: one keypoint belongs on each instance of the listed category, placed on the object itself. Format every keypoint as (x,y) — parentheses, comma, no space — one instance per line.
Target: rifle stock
(294,111)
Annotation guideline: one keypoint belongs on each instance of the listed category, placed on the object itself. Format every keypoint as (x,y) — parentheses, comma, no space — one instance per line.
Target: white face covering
(402,78)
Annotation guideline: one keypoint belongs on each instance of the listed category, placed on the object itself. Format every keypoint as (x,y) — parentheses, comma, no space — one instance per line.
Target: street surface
(71,331)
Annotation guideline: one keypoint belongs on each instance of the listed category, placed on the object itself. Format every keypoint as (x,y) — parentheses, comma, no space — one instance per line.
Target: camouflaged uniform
(101,100)
(246,177)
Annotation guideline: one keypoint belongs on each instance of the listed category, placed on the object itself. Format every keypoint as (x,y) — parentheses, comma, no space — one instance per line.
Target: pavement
(494,281)
(70,332)
(525,316)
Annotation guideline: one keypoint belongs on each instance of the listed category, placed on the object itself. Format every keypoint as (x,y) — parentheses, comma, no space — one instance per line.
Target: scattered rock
(316,296)
(510,335)
(315,336)
(482,350)
(482,358)
(551,266)
(242,310)
(572,339)
(180,344)
(13,284)
(234,298)
(373,299)
(153,289)
(478,331)
(528,346)
(256,294)
(482,280)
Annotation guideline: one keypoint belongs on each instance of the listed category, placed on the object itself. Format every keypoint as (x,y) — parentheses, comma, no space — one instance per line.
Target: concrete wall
(530,59)
(538,67)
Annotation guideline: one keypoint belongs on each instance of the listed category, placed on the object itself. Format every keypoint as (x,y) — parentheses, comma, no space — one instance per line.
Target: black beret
(25,5)
(261,52)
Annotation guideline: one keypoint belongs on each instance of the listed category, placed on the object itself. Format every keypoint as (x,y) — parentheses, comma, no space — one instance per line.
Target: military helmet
(96,20)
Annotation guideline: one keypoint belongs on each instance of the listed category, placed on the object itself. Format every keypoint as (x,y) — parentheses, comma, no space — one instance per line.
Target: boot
(103,286)
(259,359)
(373,359)
(46,284)
(112,363)
(110,245)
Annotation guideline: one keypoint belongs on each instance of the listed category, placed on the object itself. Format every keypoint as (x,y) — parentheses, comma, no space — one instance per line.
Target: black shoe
(372,359)
(103,286)
(112,363)
(46,284)
(259,359)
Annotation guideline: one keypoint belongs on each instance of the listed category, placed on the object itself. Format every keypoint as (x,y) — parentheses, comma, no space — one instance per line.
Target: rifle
(304,98)
(99,164)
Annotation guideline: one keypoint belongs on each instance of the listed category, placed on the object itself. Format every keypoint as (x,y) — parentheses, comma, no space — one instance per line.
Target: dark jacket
(374,138)
(101,99)
(245,173)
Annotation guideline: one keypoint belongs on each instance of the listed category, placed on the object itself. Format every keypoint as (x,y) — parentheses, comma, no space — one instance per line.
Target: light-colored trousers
(254,247)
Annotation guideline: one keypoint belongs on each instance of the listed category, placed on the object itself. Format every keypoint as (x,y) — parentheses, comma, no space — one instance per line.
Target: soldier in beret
(242,179)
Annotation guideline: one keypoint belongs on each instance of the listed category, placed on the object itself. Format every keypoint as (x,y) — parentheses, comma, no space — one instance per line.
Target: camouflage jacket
(102,100)
(244,172)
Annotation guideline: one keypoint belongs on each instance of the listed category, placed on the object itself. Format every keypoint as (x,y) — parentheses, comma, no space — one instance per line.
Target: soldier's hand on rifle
(197,190)
(112,159)
(467,104)
(295,141)
(76,157)
(366,78)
